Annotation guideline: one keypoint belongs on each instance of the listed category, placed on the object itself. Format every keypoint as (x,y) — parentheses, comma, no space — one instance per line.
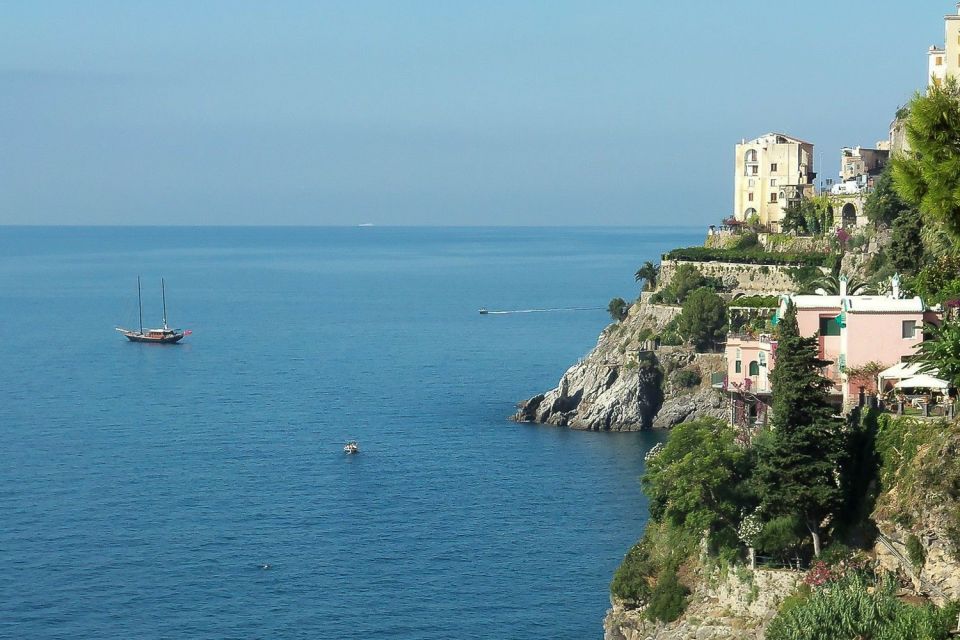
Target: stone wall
(739,278)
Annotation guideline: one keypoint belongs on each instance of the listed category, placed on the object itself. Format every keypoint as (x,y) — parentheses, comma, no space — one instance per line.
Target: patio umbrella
(922,381)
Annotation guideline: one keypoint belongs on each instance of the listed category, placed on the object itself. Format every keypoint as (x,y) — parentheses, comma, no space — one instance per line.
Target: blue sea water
(143,487)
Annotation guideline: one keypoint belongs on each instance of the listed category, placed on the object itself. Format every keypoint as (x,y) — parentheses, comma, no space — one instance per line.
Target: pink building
(852,331)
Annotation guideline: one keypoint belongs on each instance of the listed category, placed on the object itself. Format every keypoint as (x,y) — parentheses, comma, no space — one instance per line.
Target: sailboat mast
(163,294)
(140,304)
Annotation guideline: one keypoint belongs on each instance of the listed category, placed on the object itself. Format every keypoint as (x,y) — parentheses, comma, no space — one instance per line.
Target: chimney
(843,286)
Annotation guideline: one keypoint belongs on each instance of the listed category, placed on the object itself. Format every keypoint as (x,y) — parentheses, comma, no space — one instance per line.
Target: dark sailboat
(165,335)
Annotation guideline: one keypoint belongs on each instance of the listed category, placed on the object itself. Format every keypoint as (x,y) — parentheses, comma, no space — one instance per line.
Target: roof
(774,134)
(860,304)
(816,302)
(883,304)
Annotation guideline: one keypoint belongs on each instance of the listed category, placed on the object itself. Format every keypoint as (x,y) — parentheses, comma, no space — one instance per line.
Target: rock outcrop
(738,605)
(626,385)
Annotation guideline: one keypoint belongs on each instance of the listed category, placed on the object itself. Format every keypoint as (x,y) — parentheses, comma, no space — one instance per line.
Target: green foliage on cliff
(703,321)
(617,309)
(695,481)
(906,243)
(686,280)
(854,609)
(918,463)
(884,204)
(669,597)
(757,302)
(751,256)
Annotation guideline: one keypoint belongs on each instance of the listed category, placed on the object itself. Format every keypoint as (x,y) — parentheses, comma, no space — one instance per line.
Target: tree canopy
(649,274)
(694,480)
(797,461)
(703,320)
(928,176)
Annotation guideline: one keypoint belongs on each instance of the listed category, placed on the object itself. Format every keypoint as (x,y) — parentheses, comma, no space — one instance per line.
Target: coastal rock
(624,383)
(739,606)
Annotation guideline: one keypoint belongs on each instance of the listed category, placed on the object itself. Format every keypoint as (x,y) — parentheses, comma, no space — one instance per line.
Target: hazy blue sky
(444,112)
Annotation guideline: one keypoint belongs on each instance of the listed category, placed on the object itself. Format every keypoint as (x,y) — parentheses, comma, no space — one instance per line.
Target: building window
(738,367)
(749,197)
(751,182)
(763,359)
(829,327)
(754,368)
(773,167)
(909,329)
(773,182)
(939,60)
(751,155)
(773,197)
(752,170)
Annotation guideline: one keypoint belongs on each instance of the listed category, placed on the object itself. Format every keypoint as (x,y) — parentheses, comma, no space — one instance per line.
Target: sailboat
(165,335)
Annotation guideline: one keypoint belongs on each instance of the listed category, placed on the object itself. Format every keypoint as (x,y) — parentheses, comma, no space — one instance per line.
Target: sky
(407,112)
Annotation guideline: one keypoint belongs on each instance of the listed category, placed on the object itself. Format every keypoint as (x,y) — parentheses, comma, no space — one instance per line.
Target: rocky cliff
(736,605)
(624,385)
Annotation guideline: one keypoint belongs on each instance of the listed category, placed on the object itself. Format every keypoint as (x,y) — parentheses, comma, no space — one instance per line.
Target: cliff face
(918,516)
(619,387)
(731,606)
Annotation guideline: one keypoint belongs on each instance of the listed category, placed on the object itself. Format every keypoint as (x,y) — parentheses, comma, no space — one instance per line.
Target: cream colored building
(944,61)
(771,172)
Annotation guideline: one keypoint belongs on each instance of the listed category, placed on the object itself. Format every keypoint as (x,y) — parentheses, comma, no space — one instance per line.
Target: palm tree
(830,286)
(941,352)
(649,273)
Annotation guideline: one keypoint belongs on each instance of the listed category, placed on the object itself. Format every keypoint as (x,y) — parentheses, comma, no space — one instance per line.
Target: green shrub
(669,597)
(751,256)
(781,536)
(851,610)
(687,379)
(617,309)
(756,302)
(631,581)
(915,551)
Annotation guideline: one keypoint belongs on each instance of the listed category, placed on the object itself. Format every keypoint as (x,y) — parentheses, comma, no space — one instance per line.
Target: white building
(771,172)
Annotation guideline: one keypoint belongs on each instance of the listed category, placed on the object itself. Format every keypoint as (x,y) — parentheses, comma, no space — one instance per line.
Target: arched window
(848,215)
(749,213)
(754,368)
(750,156)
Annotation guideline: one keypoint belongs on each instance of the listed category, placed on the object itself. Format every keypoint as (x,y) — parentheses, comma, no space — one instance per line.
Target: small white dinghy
(351,447)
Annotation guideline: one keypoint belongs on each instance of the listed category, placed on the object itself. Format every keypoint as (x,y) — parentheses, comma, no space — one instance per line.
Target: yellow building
(946,60)
(771,172)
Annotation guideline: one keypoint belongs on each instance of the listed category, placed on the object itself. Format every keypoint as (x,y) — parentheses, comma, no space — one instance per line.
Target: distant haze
(412,112)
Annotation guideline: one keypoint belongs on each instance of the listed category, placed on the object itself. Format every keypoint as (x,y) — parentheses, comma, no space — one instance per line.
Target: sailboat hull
(170,339)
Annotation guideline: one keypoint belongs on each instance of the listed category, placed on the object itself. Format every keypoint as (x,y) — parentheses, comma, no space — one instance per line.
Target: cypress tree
(798,461)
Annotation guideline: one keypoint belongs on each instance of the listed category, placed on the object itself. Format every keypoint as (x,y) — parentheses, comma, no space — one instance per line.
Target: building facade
(771,172)
(851,331)
(945,61)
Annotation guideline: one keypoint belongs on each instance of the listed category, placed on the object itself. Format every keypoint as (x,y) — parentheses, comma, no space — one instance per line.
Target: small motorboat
(351,447)
(483,311)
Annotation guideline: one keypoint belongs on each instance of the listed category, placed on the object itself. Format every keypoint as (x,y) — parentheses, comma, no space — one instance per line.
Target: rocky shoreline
(624,384)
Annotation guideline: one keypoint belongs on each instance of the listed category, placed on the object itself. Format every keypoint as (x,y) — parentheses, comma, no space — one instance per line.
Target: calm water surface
(143,487)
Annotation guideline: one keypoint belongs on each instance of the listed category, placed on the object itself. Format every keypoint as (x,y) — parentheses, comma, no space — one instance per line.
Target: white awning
(922,381)
(903,370)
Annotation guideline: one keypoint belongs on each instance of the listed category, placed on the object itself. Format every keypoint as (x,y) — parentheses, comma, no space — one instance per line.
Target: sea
(201,490)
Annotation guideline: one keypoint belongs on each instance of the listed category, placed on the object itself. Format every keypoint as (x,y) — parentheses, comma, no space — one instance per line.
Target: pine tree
(928,176)
(798,461)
